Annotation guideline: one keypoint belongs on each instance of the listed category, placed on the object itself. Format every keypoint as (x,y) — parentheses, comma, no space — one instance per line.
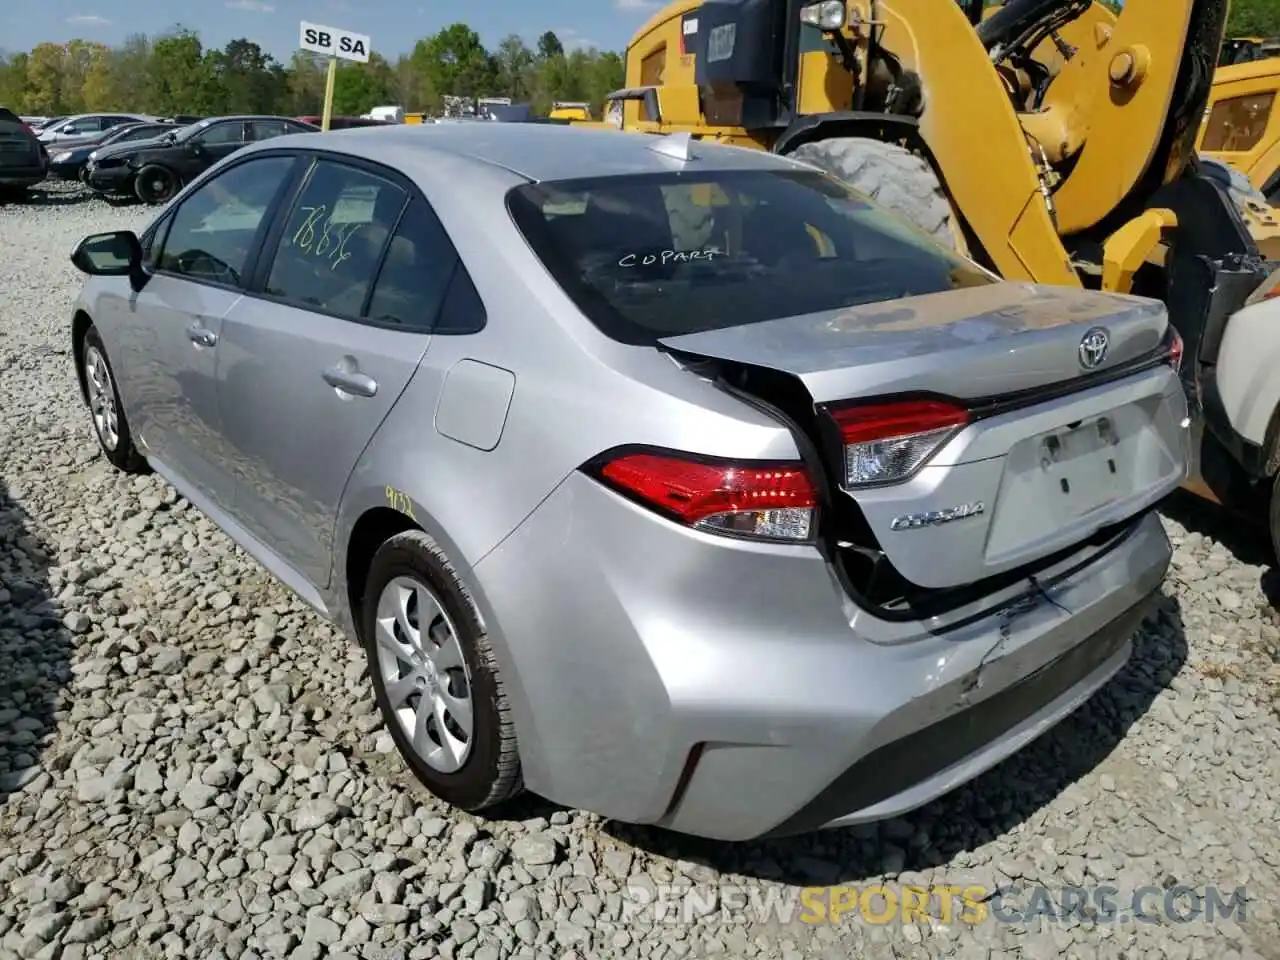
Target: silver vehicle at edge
(669,481)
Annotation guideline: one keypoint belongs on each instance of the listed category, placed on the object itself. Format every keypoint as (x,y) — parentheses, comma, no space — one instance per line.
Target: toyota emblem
(1093,348)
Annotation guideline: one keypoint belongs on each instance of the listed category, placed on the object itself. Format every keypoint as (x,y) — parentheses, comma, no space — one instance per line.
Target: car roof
(534,151)
(242,116)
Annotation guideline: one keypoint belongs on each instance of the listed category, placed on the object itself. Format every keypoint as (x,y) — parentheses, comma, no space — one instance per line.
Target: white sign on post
(332,42)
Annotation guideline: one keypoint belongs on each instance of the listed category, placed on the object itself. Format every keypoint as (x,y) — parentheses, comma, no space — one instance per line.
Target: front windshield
(660,255)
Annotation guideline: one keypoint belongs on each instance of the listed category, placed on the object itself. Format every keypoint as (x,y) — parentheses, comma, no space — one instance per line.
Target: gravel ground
(191,764)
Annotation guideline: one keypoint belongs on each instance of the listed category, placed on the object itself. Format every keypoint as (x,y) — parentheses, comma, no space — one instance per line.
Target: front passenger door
(170,336)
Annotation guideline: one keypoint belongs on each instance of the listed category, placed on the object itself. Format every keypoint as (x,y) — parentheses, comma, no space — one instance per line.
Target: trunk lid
(971,343)
(1059,447)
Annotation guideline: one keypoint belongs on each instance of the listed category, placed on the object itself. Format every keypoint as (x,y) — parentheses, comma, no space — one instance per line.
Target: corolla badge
(934,518)
(1093,348)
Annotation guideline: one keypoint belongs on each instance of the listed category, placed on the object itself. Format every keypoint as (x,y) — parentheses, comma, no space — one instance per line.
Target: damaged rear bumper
(949,707)
(733,691)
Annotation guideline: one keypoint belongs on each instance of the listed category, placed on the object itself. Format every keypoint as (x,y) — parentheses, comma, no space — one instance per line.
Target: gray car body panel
(997,339)
(622,637)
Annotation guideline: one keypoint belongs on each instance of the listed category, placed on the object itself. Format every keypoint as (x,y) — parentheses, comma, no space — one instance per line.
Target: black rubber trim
(941,601)
(898,766)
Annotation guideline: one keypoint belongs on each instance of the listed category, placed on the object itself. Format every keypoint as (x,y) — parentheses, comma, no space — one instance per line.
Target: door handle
(201,337)
(351,381)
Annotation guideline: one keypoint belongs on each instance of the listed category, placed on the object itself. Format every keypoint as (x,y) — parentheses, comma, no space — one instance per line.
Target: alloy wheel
(424,673)
(102,398)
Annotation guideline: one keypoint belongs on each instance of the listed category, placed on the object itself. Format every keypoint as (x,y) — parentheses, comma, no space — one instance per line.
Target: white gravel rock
(191,765)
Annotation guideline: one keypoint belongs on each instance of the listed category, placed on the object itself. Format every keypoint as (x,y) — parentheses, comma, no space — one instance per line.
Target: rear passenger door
(313,360)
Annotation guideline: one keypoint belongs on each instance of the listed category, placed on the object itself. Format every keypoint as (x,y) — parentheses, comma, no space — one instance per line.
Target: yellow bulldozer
(1242,124)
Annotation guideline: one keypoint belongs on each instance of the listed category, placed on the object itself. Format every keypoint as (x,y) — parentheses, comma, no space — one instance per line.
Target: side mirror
(196,147)
(115,254)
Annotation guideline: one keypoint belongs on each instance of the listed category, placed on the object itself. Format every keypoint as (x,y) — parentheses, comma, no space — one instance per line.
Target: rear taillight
(889,442)
(1174,354)
(26,127)
(767,501)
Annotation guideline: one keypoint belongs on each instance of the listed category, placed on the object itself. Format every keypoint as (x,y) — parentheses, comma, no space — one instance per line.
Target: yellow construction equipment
(1247,49)
(1030,136)
(570,111)
(1242,125)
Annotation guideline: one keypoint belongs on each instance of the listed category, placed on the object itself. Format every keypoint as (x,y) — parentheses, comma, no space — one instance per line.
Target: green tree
(515,68)
(359,87)
(1254,18)
(455,62)
(45,91)
(549,46)
(174,73)
(180,79)
(249,80)
(304,96)
(13,80)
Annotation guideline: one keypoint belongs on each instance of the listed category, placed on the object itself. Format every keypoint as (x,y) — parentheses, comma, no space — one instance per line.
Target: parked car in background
(347,123)
(23,160)
(85,125)
(676,482)
(154,171)
(36,123)
(67,160)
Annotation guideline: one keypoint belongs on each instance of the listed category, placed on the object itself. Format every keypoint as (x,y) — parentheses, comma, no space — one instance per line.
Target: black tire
(490,774)
(1273,519)
(893,177)
(155,184)
(121,453)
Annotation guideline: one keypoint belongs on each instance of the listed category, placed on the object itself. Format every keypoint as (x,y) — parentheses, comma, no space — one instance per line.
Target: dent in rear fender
(1248,370)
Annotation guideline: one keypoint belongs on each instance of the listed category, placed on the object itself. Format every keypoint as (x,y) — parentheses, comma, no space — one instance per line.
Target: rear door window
(658,255)
(415,275)
(333,239)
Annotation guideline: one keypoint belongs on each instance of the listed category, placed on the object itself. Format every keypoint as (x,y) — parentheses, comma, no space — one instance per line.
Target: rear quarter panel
(575,395)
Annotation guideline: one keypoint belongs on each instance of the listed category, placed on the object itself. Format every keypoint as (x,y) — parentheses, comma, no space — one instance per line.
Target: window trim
(255,248)
(256,287)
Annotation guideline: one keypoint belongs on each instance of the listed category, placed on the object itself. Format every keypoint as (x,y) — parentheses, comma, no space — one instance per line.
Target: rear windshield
(659,255)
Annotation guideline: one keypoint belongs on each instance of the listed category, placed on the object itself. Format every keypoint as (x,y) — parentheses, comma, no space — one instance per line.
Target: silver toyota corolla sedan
(671,481)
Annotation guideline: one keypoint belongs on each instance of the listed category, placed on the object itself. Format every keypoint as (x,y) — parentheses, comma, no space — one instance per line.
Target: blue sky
(393,25)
